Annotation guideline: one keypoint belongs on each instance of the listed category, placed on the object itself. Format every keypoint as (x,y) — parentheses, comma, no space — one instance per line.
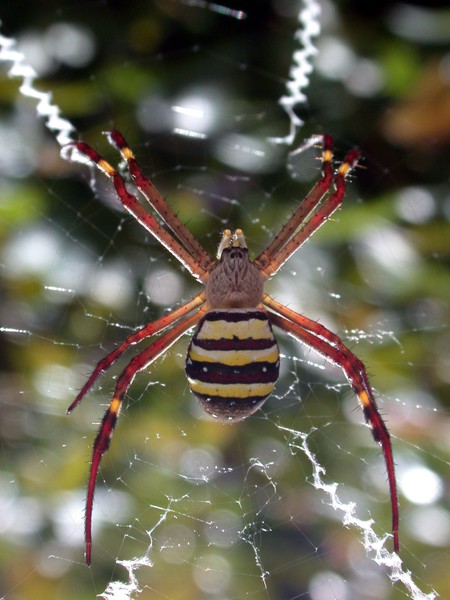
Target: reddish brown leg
(158,203)
(141,215)
(331,347)
(102,441)
(318,218)
(136,337)
(306,206)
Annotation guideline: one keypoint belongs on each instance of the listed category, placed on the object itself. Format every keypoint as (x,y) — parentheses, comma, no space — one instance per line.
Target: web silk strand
(309,19)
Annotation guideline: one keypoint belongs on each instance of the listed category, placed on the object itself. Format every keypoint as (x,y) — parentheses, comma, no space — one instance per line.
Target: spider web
(292,503)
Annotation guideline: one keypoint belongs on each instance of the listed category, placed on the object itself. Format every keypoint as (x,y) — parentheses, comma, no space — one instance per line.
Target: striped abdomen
(232,362)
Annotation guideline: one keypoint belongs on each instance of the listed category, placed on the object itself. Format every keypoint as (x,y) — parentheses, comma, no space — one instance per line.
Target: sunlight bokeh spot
(420,485)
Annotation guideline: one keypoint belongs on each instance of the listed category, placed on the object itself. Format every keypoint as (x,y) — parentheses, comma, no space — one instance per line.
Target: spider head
(234,282)
(231,240)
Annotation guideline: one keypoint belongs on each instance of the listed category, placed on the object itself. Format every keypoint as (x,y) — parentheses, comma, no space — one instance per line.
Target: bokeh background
(227,512)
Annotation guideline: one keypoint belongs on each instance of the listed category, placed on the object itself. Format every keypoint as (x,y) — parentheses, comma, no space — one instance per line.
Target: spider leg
(318,218)
(137,336)
(331,347)
(103,439)
(306,206)
(158,203)
(136,209)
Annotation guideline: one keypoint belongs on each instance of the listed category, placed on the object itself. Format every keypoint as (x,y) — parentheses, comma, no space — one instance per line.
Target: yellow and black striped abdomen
(233,362)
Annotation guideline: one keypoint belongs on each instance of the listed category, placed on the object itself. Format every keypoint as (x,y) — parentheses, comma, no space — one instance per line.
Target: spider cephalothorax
(234,281)
(232,362)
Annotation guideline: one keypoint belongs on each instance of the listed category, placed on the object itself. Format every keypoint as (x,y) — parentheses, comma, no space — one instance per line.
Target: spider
(232,362)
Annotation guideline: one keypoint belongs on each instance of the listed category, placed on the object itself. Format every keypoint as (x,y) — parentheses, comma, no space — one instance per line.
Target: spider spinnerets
(232,362)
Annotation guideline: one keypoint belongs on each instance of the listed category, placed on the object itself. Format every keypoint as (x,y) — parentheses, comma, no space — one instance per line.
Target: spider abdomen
(232,362)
